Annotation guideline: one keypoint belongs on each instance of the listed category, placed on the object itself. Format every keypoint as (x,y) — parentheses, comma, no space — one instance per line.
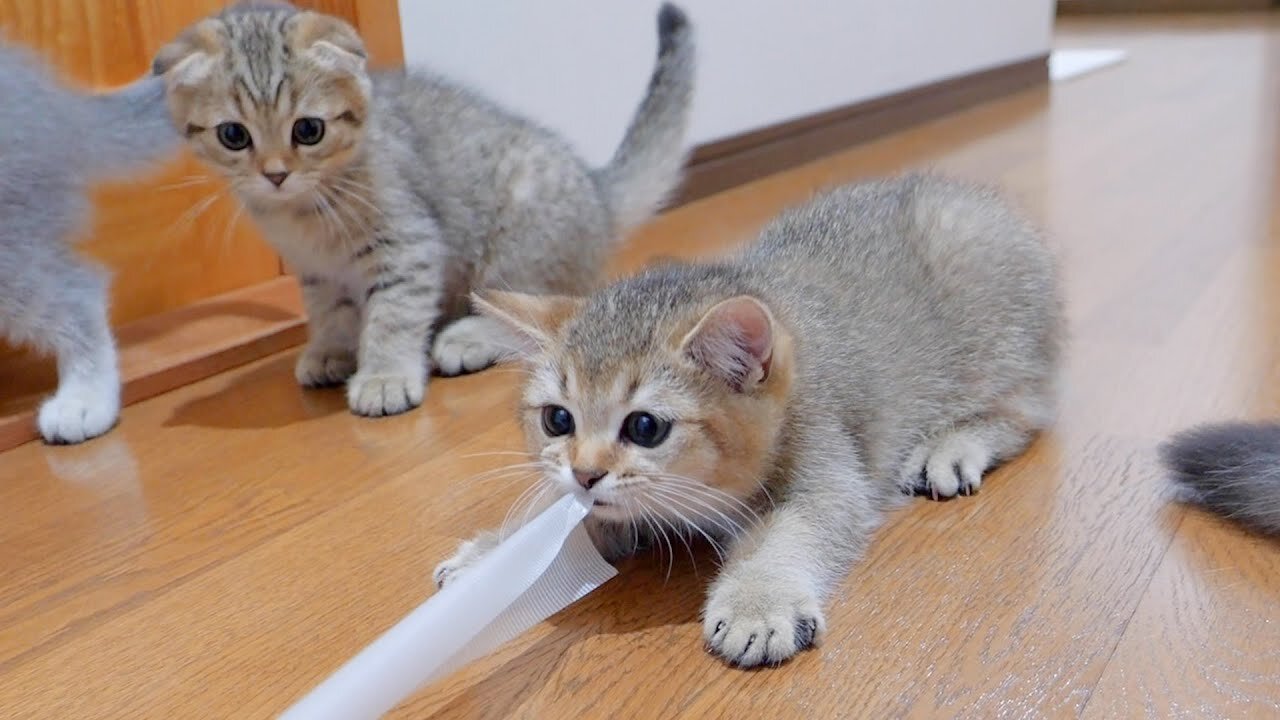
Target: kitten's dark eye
(234,136)
(556,421)
(645,430)
(308,131)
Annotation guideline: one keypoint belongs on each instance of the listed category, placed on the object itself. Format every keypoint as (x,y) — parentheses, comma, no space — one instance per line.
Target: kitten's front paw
(374,395)
(750,622)
(469,553)
(468,345)
(324,367)
(78,413)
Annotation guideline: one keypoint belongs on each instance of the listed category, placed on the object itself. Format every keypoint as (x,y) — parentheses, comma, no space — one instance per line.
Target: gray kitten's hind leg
(955,461)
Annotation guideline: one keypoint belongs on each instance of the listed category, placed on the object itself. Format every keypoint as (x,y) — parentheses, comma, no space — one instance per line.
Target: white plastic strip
(542,568)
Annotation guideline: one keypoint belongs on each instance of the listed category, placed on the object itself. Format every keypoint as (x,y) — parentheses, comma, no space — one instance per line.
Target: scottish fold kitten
(887,338)
(1232,469)
(56,141)
(393,194)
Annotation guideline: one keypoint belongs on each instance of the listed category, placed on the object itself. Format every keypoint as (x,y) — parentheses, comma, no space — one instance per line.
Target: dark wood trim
(733,161)
(1099,7)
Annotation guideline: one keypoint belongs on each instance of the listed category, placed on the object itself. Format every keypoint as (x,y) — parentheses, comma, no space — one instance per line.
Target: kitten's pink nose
(588,478)
(276,178)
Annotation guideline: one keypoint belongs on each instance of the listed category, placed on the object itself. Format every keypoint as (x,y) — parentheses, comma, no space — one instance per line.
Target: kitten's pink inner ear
(533,319)
(734,340)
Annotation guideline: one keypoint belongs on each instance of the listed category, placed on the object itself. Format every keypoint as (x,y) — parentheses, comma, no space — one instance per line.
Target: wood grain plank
(1205,641)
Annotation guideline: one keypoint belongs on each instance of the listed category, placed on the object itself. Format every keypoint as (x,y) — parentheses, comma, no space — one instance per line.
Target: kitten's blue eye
(234,136)
(308,131)
(556,421)
(645,430)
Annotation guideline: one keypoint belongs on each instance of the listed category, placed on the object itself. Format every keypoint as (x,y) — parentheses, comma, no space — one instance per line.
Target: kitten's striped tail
(127,129)
(1232,469)
(649,164)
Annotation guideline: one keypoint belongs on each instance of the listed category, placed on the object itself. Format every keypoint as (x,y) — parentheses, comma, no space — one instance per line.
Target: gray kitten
(1230,468)
(394,194)
(56,141)
(886,338)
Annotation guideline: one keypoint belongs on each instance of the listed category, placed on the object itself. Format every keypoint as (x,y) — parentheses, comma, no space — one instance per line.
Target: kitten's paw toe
(955,467)
(324,368)
(74,415)
(469,553)
(468,345)
(374,395)
(752,626)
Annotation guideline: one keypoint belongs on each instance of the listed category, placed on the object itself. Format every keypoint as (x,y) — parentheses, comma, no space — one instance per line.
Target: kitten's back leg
(70,314)
(955,461)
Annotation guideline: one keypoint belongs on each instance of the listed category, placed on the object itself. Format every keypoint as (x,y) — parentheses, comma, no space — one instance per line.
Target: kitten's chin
(611,511)
(278,200)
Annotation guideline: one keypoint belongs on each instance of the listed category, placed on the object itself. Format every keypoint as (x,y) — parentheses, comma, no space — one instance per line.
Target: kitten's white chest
(309,248)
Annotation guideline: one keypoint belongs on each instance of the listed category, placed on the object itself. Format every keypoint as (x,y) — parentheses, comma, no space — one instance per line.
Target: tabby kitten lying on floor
(886,338)
(56,141)
(394,194)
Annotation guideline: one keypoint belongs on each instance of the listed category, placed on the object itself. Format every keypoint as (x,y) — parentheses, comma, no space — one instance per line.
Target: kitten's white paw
(955,465)
(375,395)
(78,412)
(469,553)
(469,345)
(324,367)
(755,621)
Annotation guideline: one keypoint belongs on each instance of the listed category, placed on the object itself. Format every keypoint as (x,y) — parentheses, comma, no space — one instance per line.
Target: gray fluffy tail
(648,166)
(1232,469)
(126,130)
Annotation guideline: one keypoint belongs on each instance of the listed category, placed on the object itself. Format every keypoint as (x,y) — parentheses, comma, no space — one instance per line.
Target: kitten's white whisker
(231,226)
(492,453)
(679,533)
(354,193)
(186,182)
(655,526)
(528,497)
(525,468)
(697,527)
(546,488)
(693,487)
(702,507)
(194,212)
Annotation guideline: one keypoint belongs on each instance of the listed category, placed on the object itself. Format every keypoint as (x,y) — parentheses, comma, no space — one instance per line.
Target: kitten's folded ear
(189,59)
(734,341)
(330,41)
(535,321)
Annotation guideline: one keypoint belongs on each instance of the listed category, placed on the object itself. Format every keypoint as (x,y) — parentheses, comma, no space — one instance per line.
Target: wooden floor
(235,541)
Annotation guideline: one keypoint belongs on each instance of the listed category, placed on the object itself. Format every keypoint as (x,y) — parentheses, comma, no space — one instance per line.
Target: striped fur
(418,192)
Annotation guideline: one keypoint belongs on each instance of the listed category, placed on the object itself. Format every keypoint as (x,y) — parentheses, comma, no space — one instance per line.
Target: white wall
(580,66)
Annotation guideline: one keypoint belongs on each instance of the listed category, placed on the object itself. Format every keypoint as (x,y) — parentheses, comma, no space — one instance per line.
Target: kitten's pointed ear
(330,41)
(534,320)
(734,341)
(189,59)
